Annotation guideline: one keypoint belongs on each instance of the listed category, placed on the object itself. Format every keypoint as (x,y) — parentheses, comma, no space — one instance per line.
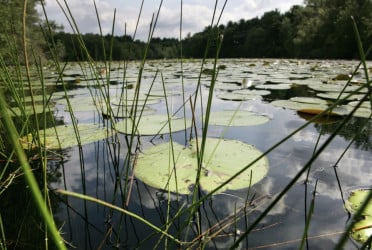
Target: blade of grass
(297,176)
(135,216)
(362,55)
(308,219)
(30,178)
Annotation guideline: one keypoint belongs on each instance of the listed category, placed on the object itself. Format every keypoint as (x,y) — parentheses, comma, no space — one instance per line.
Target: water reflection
(102,170)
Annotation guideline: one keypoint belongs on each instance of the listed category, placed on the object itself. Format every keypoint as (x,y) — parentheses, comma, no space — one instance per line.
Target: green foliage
(11,30)
(320,29)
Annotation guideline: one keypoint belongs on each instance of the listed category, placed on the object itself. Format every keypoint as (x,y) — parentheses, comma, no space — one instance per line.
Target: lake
(100,167)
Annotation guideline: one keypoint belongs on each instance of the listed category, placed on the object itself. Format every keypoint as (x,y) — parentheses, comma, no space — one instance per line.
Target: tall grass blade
(135,216)
(30,178)
(368,199)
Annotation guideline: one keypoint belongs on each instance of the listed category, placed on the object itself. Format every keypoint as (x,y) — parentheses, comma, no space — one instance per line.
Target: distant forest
(321,29)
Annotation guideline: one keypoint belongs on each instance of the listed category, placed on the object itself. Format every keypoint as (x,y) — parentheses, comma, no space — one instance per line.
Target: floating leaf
(64,136)
(362,230)
(336,96)
(130,102)
(36,98)
(125,112)
(362,111)
(160,93)
(85,106)
(298,105)
(309,100)
(252,92)
(236,118)
(222,159)
(325,119)
(334,88)
(227,87)
(334,112)
(238,97)
(280,86)
(365,104)
(152,125)
(356,199)
(28,110)
(342,77)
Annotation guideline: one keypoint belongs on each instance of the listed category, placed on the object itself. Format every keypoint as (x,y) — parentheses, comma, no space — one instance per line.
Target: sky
(196,14)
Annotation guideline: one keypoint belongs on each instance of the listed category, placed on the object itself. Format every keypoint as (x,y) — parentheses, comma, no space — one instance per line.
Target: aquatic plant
(171,155)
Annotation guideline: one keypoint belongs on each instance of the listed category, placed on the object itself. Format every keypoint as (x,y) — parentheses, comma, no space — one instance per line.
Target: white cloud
(196,14)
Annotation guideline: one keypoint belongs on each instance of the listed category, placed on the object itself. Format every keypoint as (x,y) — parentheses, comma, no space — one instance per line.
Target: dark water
(99,169)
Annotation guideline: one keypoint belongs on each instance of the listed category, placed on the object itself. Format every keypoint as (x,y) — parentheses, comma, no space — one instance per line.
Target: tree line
(320,29)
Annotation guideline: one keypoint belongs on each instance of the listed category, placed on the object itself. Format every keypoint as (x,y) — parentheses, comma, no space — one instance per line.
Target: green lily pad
(356,199)
(152,125)
(298,105)
(365,104)
(334,88)
(222,159)
(342,77)
(28,110)
(280,86)
(252,92)
(231,96)
(227,87)
(160,93)
(36,98)
(364,111)
(139,102)
(124,111)
(85,106)
(335,96)
(360,112)
(63,136)
(309,100)
(362,230)
(236,118)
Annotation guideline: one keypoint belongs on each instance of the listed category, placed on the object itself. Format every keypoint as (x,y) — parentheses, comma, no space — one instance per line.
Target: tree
(11,30)
(326,29)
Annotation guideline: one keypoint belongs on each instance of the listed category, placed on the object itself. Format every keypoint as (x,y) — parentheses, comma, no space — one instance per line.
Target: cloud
(195,17)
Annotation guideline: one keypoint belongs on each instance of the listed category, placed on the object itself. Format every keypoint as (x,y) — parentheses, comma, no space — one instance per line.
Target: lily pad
(335,96)
(231,96)
(342,77)
(36,98)
(338,111)
(252,92)
(236,118)
(160,93)
(139,102)
(364,111)
(298,105)
(28,110)
(325,119)
(280,86)
(63,136)
(362,230)
(152,125)
(222,159)
(227,87)
(334,88)
(309,100)
(356,199)
(124,112)
(365,104)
